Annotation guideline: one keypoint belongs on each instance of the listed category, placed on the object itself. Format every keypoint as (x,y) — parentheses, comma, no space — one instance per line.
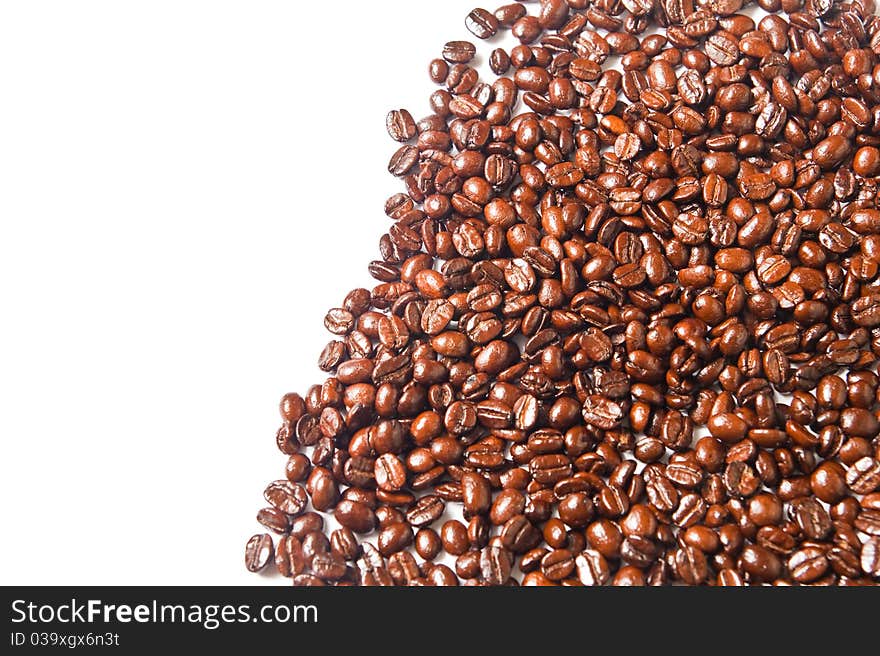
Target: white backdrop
(186,186)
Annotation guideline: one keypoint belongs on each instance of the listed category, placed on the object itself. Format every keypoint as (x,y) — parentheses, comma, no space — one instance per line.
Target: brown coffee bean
(459,52)
(402,162)
(760,564)
(394,537)
(727,427)
(274,520)
(389,472)
(481,23)
(355,515)
(426,510)
(808,565)
(495,565)
(289,558)
(812,518)
(863,476)
(870,557)
(602,412)
(401,125)
(287,497)
(557,564)
(258,552)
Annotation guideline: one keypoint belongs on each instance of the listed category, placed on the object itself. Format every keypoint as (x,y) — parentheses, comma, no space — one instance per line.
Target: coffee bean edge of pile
(626,318)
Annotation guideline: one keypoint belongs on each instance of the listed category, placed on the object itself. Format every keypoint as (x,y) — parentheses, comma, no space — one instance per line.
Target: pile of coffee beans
(627,314)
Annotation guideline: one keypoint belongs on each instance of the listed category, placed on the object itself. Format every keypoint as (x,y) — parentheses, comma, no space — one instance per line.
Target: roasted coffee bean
(402,162)
(355,515)
(868,522)
(426,510)
(495,565)
(499,62)
(400,125)
(727,427)
(258,552)
(674,263)
(519,535)
(459,52)
(740,479)
(344,544)
(453,534)
(812,518)
(476,494)
(289,558)
(328,566)
(389,472)
(274,520)
(863,476)
(592,568)
(313,543)
(691,565)
(602,412)
(808,564)
(870,557)
(287,497)
(481,23)
(759,564)
(557,564)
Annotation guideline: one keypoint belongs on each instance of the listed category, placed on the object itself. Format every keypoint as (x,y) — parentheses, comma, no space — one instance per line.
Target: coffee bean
(870,557)
(807,565)
(289,558)
(565,174)
(328,566)
(550,468)
(258,552)
(557,564)
(476,494)
(459,52)
(287,497)
(759,564)
(426,510)
(638,551)
(389,472)
(863,476)
(740,479)
(274,520)
(400,125)
(592,568)
(691,565)
(812,518)
(727,427)
(403,160)
(481,24)
(519,535)
(499,62)
(394,537)
(339,321)
(602,412)
(344,544)
(495,565)
(355,515)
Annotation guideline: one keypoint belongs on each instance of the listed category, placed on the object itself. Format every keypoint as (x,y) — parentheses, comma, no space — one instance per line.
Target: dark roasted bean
(287,497)
(400,125)
(289,558)
(258,552)
(495,565)
(481,23)
(459,52)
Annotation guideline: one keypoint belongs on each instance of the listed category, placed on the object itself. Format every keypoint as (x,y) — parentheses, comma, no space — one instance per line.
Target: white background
(185,188)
